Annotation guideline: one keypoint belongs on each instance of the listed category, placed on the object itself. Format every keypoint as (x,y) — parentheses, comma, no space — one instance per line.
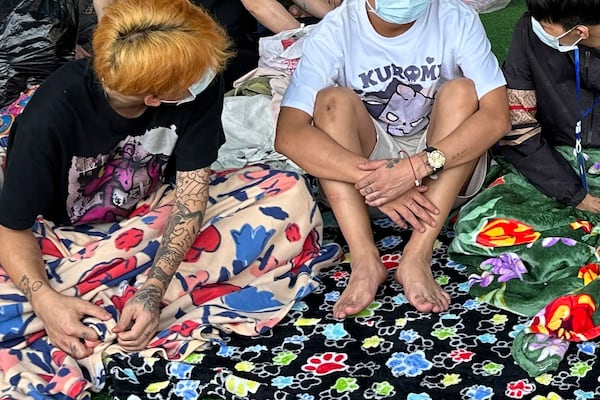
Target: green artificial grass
(498,26)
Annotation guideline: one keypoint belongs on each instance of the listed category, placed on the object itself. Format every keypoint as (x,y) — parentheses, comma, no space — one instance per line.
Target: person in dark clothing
(553,75)
(242,29)
(91,123)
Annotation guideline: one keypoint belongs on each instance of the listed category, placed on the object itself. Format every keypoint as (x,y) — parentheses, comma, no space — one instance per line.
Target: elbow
(280,142)
(284,135)
(277,145)
(502,123)
(506,127)
(289,131)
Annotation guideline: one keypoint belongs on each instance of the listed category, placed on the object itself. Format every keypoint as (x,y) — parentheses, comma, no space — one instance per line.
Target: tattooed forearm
(163,277)
(181,230)
(192,188)
(28,287)
(183,225)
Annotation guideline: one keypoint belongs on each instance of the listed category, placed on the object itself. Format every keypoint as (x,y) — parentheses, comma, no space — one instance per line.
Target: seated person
(529,241)
(395,116)
(114,230)
(553,74)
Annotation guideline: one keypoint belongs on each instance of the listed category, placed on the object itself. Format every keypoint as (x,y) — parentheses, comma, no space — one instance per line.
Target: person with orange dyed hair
(163,54)
(114,230)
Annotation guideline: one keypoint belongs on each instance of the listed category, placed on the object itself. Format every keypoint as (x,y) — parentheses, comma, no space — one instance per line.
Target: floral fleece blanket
(258,253)
(529,254)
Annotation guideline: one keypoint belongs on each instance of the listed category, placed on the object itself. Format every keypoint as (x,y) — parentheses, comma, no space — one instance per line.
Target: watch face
(436,159)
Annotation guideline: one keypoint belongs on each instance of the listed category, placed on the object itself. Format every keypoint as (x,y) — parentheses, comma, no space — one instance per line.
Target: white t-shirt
(396,78)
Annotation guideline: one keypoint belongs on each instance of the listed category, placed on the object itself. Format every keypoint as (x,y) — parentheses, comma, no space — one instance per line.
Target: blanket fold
(531,255)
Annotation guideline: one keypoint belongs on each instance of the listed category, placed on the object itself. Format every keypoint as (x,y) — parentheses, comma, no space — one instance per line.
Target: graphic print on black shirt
(106,187)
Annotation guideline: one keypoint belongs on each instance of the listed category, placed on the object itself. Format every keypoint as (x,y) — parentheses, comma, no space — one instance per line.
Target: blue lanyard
(582,115)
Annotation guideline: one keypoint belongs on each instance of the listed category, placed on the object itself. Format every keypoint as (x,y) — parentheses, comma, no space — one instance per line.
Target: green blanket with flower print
(531,255)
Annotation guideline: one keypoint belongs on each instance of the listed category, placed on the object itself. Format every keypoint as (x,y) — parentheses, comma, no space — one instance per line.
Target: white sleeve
(475,57)
(319,68)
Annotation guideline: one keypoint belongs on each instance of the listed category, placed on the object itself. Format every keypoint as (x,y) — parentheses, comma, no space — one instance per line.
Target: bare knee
(334,104)
(461,93)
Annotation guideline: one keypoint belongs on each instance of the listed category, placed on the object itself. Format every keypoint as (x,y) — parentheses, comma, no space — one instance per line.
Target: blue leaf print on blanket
(250,243)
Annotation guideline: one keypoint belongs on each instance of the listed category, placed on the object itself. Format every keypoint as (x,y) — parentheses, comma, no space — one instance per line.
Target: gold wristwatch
(435,159)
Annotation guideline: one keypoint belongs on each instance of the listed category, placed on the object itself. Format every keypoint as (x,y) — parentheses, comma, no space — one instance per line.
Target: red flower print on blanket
(568,317)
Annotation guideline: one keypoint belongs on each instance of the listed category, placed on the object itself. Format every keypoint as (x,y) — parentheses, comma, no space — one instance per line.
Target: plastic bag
(282,51)
(36,37)
(486,6)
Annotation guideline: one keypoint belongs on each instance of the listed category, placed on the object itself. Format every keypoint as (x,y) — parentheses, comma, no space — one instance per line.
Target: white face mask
(399,11)
(552,41)
(195,89)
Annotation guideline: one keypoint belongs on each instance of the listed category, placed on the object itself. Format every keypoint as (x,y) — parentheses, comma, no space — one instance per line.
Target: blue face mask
(195,89)
(399,11)
(552,41)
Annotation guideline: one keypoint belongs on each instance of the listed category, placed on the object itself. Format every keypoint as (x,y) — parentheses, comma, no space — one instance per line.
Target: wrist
(434,159)
(42,295)
(154,285)
(423,169)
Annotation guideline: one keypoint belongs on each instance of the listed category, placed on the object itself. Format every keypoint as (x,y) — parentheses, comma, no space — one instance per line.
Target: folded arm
(298,139)
(525,147)
(479,132)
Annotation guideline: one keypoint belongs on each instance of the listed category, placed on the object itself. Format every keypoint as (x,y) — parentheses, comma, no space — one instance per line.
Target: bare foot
(421,290)
(368,273)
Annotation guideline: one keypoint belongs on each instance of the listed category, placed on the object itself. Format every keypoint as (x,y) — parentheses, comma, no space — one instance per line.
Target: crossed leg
(455,102)
(340,114)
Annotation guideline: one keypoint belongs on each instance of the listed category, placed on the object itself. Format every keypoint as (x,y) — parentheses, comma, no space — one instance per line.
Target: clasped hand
(390,186)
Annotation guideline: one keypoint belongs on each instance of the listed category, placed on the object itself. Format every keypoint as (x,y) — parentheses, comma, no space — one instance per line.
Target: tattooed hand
(139,320)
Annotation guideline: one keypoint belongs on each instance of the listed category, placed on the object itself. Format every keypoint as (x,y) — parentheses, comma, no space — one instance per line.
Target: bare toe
(362,287)
(421,290)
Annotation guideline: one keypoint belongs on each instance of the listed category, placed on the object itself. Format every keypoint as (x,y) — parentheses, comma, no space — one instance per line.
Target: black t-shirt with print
(73,159)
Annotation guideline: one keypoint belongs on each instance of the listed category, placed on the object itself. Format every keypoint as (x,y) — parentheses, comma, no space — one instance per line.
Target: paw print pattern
(390,261)
(326,363)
